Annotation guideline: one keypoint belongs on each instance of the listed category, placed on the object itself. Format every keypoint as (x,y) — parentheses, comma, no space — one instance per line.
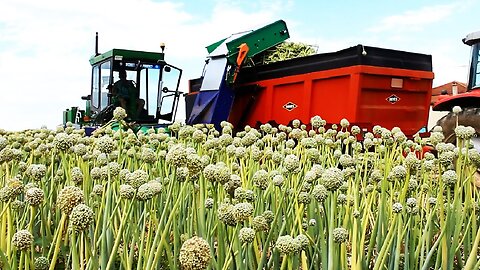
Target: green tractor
(154,82)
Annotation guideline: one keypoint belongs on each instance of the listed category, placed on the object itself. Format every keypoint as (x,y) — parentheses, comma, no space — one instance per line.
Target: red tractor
(469,101)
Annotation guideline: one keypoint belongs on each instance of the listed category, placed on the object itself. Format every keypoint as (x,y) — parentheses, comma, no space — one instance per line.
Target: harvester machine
(215,91)
(469,102)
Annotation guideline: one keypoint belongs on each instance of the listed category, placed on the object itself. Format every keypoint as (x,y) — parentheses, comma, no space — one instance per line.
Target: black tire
(467,117)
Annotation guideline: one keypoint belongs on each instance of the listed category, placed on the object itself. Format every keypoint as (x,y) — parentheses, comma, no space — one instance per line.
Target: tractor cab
(153,89)
(473,40)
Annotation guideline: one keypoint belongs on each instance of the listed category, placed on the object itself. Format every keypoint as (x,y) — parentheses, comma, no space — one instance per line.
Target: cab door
(168,94)
(101,78)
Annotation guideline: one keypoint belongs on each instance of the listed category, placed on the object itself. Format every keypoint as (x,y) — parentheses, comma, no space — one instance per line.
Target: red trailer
(366,85)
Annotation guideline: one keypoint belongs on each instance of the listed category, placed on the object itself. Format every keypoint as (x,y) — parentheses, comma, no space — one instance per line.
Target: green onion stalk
(274,197)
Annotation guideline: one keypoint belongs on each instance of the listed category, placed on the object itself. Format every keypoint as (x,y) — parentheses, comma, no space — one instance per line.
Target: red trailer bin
(366,85)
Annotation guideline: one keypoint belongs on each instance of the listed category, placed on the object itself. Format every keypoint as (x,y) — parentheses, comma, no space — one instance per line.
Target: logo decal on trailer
(290,106)
(393,99)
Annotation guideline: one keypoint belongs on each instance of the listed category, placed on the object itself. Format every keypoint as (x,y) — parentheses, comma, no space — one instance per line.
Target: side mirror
(167,69)
(89,97)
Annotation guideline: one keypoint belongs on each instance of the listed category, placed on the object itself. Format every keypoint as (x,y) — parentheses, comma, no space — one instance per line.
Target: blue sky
(45,45)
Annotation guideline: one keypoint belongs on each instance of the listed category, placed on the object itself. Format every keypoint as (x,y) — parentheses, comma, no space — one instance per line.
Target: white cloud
(415,20)
(450,67)
(46,45)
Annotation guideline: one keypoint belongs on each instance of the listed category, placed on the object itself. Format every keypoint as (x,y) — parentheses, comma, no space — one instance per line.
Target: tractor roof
(121,54)
(472,38)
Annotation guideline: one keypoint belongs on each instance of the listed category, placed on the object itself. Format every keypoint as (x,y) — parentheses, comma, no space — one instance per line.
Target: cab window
(148,88)
(475,68)
(104,82)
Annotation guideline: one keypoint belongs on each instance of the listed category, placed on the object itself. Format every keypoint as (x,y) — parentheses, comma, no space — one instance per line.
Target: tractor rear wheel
(467,117)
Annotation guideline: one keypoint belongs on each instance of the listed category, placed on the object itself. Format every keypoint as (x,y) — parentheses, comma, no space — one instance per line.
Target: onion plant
(306,196)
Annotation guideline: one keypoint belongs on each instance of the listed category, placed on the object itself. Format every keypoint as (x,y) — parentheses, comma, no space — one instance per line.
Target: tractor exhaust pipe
(96,44)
